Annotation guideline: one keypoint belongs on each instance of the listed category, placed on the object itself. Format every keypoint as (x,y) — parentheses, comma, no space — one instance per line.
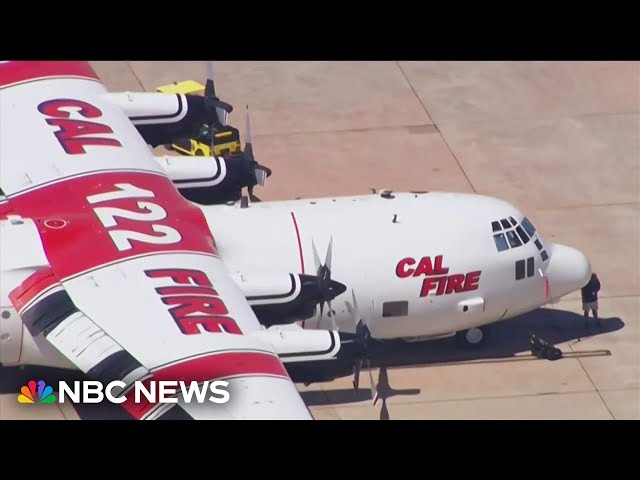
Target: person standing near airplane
(590,299)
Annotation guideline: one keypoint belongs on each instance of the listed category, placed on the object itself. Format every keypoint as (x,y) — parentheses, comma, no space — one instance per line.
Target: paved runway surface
(560,140)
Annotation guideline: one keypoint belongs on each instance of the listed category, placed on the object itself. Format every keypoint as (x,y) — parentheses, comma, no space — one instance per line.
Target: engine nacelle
(312,356)
(209,180)
(162,118)
(295,344)
(193,172)
(279,299)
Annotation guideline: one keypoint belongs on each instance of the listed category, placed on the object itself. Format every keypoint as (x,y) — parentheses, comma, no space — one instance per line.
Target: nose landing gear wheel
(472,338)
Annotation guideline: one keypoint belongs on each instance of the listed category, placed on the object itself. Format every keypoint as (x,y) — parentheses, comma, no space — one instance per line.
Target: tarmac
(561,140)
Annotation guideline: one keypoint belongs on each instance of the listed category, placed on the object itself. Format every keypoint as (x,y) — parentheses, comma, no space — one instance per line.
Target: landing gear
(472,338)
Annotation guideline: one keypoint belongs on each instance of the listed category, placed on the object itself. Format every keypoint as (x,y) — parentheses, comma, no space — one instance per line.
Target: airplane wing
(134,288)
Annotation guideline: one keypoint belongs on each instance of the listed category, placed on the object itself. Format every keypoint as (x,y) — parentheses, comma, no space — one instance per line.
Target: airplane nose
(569,270)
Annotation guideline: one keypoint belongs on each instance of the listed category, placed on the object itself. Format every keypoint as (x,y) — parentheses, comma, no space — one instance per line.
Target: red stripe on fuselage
(16,72)
(295,225)
(74,238)
(216,366)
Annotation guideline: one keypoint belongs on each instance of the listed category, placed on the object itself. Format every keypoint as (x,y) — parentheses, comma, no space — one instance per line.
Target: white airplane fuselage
(420,264)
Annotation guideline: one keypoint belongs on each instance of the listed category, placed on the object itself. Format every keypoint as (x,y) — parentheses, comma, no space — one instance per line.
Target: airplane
(424,264)
(105,268)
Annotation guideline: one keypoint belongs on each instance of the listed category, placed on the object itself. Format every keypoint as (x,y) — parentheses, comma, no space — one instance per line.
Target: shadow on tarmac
(506,340)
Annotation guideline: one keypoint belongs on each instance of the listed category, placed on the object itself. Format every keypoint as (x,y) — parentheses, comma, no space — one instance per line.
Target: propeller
(323,274)
(213,104)
(260,172)
(362,339)
(221,111)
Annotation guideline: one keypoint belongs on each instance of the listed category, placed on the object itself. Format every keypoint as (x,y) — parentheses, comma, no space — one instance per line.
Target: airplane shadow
(506,340)
(343,395)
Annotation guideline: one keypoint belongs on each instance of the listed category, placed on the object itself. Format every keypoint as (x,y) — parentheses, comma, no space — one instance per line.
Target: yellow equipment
(226,142)
(188,87)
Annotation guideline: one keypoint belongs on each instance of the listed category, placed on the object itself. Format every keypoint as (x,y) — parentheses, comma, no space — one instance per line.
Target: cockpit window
(522,234)
(501,242)
(526,224)
(513,234)
(514,241)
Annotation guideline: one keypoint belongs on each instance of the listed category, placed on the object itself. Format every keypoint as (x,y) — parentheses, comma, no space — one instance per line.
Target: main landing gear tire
(472,338)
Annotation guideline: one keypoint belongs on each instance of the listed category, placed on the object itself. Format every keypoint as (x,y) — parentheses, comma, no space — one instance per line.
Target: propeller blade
(210,71)
(327,258)
(210,89)
(316,257)
(248,145)
(372,383)
(261,176)
(333,317)
(212,102)
(356,310)
(356,374)
(349,308)
(223,115)
(247,128)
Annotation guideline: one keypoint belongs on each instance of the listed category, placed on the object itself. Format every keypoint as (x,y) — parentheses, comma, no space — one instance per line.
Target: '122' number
(151,212)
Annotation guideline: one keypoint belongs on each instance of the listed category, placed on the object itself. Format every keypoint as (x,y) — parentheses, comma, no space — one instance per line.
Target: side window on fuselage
(525,269)
(520,270)
(530,266)
(395,309)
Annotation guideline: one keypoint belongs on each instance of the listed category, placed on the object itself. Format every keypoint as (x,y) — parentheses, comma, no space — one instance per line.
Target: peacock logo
(38,392)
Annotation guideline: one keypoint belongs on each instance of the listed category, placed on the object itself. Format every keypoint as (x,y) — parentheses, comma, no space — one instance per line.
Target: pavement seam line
(436,125)
(469,399)
(593,383)
(135,75)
